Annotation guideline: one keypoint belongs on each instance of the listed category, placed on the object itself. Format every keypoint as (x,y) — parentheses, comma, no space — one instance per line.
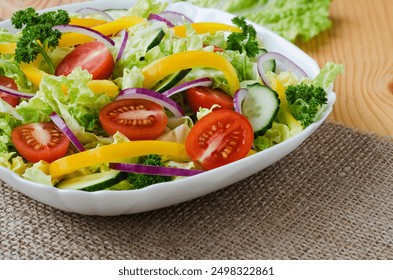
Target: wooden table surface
(361,39)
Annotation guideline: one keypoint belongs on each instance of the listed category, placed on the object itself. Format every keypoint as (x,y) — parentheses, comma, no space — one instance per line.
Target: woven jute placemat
(332,198)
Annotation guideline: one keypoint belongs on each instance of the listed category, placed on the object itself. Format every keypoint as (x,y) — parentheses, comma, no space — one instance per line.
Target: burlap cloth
(332,198)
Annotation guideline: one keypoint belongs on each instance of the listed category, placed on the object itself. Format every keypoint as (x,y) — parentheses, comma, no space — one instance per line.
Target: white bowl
(107,203)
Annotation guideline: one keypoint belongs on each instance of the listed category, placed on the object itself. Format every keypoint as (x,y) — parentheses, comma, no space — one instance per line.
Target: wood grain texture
(361,39)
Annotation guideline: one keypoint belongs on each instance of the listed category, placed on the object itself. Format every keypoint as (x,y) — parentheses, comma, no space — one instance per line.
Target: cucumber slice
(269,65)
(93,182)
(172,80)
(260,107)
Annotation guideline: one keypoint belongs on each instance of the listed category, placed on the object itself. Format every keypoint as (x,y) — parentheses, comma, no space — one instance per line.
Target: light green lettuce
(276,134)
(39,173)
(9,68)
(7,123)
(8,37)
(292,19)
(328,75)
(79,107)
(143,8)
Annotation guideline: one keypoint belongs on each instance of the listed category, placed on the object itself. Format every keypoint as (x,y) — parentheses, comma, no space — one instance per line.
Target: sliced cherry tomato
(10,99)
(92,56)
(40,141)
(206,97)
(219,138)
(138,119)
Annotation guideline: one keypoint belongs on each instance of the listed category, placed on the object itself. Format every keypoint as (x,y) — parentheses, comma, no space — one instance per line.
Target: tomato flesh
(40,141)
(9,83)
(138,119)
(92,56)
(219,138)
(207,97)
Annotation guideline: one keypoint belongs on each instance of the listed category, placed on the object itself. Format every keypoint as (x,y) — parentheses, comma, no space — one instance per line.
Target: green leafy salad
(123,99)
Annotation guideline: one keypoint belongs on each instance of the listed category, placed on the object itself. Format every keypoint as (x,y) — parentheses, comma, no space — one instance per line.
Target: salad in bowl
(112,110)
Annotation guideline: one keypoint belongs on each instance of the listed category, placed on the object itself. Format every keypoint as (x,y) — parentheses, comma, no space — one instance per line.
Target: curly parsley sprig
(37,34)
(245,41)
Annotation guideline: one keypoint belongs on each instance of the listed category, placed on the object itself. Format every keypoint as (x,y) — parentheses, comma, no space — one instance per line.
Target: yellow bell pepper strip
(159,69)
(87,22)
(7,48)
(109,28)
(284,116)
(204,27)
(35,76)
(109,87)
(115,152)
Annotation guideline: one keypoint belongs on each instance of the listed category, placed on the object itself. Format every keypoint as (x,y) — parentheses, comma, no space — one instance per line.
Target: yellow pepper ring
(163,67)
(35,76)
(115,152)
(204,27)
(109,28)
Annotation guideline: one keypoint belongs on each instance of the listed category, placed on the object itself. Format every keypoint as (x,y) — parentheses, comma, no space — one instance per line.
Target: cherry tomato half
(219,138)
(9,83)
(40,141)
(138,119)
(92,56)
(206,97)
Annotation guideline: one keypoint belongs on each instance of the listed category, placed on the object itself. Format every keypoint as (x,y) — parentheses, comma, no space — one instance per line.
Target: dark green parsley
(305,101)
(140,181)
(37,34)
(245,41)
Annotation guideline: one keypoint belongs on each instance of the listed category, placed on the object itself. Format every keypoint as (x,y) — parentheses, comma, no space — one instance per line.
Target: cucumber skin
(104,185)
(156,41)
(174,81)
(98,186)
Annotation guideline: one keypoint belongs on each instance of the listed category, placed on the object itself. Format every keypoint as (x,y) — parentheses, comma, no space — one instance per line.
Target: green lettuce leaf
(292,19)
(39,173)
(328,75)
(276,134)
(143,8)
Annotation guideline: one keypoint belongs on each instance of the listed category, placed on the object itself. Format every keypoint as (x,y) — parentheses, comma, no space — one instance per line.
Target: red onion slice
(157,17)
(67,131)
(206,82)
(176,18)
(86,31)
(151,95)
(238,99)
(87,10)
(170,18)
(13,92)
(154,170)
(288,65)
(124,35)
